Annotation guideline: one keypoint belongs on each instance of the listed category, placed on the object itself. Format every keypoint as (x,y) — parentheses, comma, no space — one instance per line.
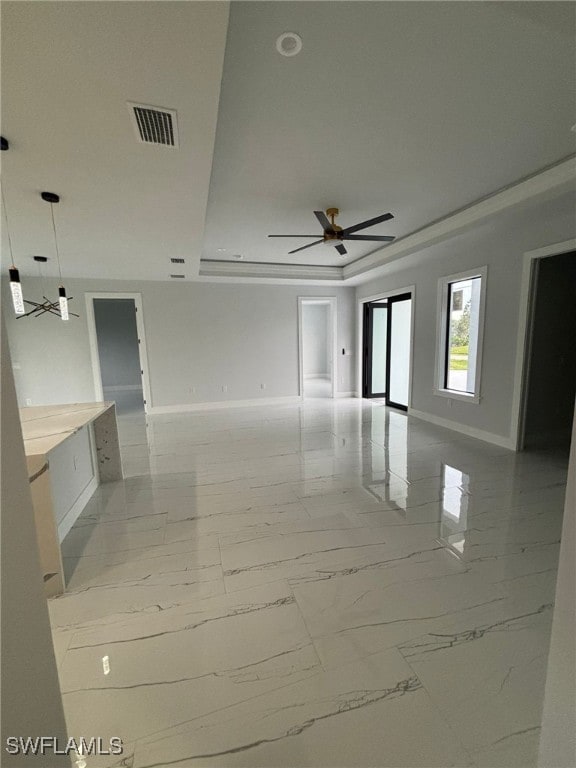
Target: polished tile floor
(319,386)
(323,584)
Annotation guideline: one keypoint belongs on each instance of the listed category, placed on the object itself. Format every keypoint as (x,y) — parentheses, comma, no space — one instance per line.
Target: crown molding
(530,187)
(367,267)
(265,270)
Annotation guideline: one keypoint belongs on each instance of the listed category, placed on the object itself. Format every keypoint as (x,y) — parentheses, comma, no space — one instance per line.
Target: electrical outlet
(28,401)
(224,387)
(262,386)
(192,390)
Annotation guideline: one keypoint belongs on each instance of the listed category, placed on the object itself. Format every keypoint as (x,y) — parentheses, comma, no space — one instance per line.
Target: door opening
(387,340)
(317,340)
(118,356)
(550,371)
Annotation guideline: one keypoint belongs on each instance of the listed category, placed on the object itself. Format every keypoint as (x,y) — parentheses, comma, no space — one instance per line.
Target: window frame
(443,313)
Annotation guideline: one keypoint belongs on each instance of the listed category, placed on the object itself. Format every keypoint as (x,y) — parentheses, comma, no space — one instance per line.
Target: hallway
(330,583)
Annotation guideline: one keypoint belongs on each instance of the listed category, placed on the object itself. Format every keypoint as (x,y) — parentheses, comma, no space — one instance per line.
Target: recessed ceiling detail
(289,44)
(154,125)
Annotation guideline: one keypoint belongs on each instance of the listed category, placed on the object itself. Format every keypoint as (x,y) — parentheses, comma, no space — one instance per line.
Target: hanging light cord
(42,281)
(7,225)
(56,241)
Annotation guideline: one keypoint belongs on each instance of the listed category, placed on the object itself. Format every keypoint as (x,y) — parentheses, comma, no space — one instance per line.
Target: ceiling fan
(335,235)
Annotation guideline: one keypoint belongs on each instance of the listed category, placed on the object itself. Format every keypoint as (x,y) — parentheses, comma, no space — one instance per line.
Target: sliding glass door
(387,349)
(376,348)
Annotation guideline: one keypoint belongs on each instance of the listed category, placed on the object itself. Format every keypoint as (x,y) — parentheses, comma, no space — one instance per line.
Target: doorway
(118,351)
(317,339)
(550,373)
(387,347)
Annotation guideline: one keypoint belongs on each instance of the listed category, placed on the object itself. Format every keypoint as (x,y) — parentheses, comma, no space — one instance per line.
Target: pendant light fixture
(60,306)
(15,286)
(41,307)
(53,198)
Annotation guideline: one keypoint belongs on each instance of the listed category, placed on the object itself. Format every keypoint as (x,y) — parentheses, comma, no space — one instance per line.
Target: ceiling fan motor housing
(335,236)
(331,237)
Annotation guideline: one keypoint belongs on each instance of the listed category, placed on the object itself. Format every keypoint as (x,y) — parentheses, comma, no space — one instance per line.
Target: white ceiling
(68,69)
(418,108)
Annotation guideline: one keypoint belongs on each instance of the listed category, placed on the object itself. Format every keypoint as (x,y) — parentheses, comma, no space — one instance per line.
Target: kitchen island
(70,449)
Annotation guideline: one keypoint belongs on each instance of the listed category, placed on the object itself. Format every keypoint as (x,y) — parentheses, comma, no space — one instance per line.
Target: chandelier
(59,307)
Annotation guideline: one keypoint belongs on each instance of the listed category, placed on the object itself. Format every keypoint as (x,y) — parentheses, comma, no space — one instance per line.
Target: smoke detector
(154,125)
(289,44)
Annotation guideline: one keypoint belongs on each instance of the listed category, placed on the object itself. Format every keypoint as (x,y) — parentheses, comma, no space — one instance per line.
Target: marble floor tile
(372,713)
(228,522)
(183,664)
(487,676)
(327,583)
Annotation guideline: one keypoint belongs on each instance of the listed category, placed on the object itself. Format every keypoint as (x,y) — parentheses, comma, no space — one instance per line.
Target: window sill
(454,395)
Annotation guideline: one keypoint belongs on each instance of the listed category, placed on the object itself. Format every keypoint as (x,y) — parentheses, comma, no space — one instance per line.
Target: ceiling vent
(177,261)
(154,125)
(177,276)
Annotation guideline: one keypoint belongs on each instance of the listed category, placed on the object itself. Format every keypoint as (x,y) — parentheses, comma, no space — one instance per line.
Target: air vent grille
(177,261)
(177,276)
(154,125)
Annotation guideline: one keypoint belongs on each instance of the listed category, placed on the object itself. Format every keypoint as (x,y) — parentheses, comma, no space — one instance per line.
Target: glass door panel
(399,339)
(379,347)
(375,349)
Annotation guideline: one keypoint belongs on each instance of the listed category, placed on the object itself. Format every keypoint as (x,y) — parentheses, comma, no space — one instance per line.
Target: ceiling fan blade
(306,246)
(325,222)
(312,236)
(368,223)
(383,238)
(341,250)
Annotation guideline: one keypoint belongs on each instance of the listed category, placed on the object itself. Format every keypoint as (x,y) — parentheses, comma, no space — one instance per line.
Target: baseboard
(74,512)
(479,434)
(122,388)
(189,407)
(345,394)
(317,376)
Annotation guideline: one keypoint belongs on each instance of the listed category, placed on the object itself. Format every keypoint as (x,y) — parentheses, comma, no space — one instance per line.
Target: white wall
(31,700)
(500,243)
(199,335)
(315,358)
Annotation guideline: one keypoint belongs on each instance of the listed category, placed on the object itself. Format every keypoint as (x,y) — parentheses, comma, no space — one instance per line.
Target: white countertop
(46,426)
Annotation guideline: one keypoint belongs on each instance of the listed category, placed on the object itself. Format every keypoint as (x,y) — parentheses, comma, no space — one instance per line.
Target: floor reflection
(331,583)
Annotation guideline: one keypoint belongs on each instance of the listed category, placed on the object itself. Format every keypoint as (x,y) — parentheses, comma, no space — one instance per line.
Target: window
(460,324)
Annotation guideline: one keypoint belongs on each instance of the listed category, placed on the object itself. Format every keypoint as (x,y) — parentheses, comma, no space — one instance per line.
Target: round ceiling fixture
(289,44)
